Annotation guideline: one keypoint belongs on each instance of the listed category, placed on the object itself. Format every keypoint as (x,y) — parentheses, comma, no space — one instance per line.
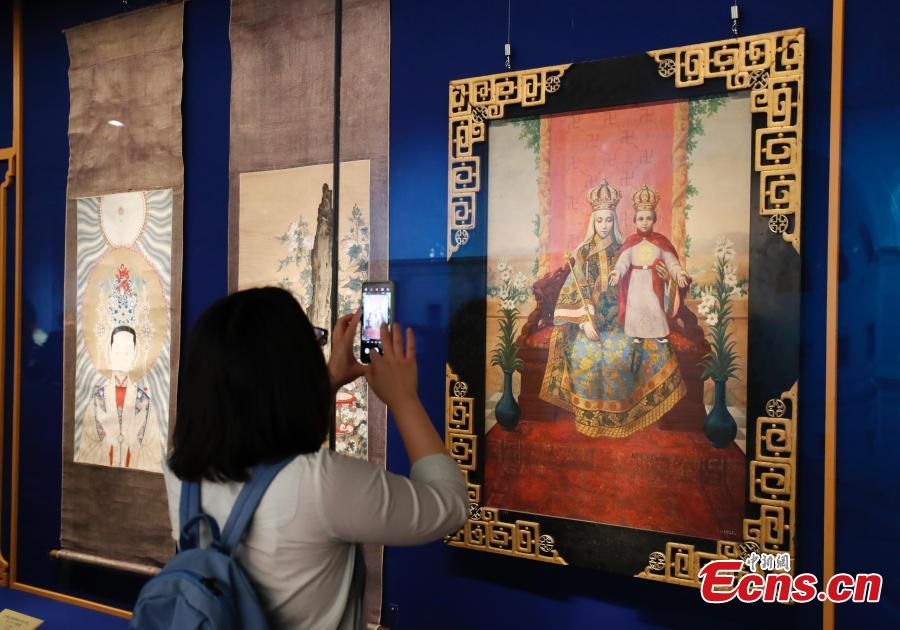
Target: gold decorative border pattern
(773,487)
(771,67)
(473,102)
(484,530)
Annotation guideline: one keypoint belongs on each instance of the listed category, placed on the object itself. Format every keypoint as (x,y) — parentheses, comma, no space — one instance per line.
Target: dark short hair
(119,329)
(253,388)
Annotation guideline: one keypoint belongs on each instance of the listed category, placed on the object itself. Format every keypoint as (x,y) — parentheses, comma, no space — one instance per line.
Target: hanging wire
(507,49)
(572,29)
(734,19)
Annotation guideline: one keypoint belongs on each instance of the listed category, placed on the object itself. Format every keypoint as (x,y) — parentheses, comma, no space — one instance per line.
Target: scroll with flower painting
(123,286)
(285,220)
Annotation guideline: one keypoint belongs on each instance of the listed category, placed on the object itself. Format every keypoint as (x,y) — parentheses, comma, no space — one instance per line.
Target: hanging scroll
(282,226)
(123,285)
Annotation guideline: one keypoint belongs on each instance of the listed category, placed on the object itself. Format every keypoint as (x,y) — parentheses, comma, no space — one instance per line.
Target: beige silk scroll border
(296,129)
(260,139)
(771,66)
(143,47)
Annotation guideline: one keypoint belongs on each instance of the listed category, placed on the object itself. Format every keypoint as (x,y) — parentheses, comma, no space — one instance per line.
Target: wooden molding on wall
(8,570)
(12,156)
(831,304)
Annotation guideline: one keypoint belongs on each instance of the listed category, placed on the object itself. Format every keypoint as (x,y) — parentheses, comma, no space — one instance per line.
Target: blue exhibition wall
(868,421)
(432,43)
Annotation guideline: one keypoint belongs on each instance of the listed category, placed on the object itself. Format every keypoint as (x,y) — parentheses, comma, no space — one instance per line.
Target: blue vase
(719,426)
(507,411)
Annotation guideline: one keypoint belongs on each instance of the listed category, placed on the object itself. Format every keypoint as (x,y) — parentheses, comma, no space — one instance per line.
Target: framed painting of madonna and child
(624,242)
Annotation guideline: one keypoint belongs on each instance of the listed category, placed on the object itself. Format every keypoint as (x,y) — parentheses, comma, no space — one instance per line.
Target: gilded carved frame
(770,67)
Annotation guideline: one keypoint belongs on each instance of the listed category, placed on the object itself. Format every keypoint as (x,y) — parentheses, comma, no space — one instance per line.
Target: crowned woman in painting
(595,371)
(120,427)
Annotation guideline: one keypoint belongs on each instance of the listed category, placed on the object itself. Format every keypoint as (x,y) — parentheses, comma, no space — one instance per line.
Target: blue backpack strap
(247,501)
(188,512)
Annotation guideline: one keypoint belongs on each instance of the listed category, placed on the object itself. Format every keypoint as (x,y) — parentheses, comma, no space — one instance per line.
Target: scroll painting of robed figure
(618,257)
(123,332)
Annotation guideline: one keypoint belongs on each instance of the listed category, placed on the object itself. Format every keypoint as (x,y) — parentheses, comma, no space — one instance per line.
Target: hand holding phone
(393,375)
(343,367)
(377,309)
(393,378)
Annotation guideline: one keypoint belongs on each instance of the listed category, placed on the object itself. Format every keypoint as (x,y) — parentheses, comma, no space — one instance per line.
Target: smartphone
(377,309)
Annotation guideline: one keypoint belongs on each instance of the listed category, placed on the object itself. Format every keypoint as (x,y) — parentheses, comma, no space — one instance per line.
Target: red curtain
(630,146)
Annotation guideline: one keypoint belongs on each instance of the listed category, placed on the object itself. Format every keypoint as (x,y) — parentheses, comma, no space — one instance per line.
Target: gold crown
(604,196)
(645,199)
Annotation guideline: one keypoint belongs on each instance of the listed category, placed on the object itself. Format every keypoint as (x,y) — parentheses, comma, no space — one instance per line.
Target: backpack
(206,587)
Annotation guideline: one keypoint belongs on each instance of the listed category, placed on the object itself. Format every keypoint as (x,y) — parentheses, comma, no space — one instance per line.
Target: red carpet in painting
(660,480)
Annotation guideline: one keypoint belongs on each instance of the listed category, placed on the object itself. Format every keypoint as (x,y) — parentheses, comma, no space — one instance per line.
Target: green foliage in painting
(354,260)
(536,230)
(530,132)
(698,110)
(295,268)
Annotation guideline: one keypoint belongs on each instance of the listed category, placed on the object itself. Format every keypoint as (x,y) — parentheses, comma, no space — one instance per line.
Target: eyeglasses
(321,335)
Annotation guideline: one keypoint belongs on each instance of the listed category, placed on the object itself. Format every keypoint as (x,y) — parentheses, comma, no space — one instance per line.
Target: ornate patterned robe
(121,431)
(614,386)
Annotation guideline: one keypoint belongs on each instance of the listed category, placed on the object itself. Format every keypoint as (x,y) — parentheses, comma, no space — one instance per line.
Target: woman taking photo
(255,388)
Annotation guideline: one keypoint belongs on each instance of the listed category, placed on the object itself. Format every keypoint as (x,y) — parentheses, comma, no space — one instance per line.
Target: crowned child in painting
(642,292)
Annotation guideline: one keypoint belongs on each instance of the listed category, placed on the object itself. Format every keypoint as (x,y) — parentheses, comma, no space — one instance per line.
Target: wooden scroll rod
(86,558)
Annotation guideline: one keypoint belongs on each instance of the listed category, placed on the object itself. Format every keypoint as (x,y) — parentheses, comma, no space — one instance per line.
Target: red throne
(686,338)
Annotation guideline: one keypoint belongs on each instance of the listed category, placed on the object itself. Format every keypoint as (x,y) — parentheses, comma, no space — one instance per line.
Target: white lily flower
(520,281)
(724,248)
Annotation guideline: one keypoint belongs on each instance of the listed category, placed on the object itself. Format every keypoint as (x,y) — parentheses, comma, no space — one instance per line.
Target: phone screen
(377,309)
